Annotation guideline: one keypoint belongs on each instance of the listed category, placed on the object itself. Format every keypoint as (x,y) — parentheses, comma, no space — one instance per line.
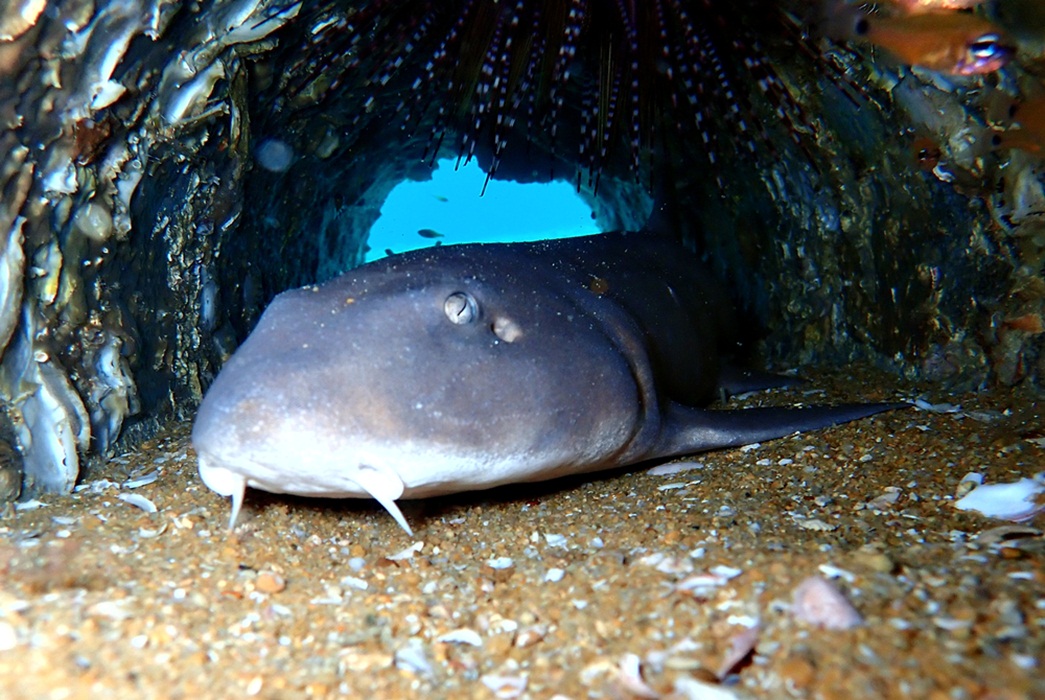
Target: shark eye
(461,308)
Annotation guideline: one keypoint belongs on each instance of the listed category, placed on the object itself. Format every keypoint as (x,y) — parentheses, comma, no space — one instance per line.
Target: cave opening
(458,205)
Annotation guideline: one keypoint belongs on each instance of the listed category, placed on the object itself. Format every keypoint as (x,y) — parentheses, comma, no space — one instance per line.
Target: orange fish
(916,6)
(1028,118)
(956,43)
(926,153)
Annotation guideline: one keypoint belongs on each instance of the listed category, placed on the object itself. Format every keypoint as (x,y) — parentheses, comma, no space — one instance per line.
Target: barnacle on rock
(18,17)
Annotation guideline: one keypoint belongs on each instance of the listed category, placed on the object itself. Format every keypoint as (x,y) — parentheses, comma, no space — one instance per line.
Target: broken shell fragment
(461,636)
(505,686)
(1017,501)
(741,645)
(138,501)
(819,603)
(629,674)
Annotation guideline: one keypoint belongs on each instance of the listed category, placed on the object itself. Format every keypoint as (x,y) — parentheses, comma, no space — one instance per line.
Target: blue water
(449,205)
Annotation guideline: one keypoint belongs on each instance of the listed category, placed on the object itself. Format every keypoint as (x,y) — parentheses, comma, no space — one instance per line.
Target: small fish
(1027,323)
(926,153)
(916,6)
(429,233)
(441,198)
(955,43)
(1027,130)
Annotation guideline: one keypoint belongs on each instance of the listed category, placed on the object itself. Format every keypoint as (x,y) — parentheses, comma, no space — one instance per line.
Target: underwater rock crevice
(142,234)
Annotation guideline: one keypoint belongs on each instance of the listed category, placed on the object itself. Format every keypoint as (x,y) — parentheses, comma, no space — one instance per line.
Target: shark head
(443,370)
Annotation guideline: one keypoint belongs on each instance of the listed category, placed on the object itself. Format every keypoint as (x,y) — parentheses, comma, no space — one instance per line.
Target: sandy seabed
(678,582)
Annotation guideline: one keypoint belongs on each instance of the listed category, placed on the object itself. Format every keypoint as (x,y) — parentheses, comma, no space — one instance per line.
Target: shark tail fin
(688,430)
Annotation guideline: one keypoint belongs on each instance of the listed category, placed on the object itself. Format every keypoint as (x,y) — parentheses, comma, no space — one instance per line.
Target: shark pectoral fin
(224,482)
(385,486)
(688,430)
